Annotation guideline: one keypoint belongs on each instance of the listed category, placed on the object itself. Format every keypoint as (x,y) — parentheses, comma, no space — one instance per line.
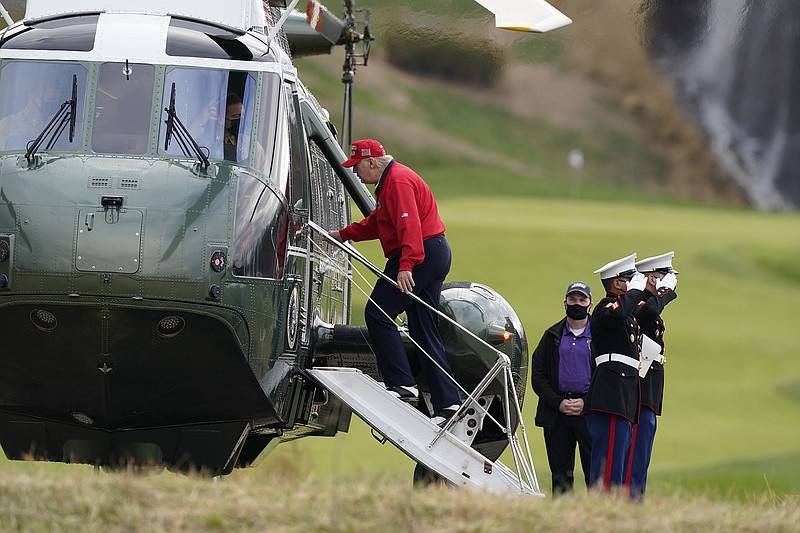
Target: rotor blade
(324,22)
(525,15)
(314,32)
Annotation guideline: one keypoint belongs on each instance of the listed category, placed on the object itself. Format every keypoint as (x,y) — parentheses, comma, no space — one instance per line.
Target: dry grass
(71,499)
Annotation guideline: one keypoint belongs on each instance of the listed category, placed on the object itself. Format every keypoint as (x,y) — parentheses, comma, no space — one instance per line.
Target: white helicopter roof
(239,14)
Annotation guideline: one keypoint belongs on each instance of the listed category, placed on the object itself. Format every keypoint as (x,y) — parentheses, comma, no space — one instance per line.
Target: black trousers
(560,441)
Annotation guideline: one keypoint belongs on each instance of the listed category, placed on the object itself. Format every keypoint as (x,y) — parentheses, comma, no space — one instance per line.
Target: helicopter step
(414,434)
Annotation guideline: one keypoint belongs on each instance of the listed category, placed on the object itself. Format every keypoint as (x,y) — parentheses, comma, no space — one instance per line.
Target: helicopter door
(298,253)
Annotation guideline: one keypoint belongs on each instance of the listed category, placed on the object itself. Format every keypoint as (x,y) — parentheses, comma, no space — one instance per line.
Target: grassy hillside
(488,144)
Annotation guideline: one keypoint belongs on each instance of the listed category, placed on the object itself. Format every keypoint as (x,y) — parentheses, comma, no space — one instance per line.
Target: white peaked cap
(625,266)
(660,263)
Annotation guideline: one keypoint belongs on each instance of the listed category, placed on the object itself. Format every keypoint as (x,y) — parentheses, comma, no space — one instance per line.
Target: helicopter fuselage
(144,292)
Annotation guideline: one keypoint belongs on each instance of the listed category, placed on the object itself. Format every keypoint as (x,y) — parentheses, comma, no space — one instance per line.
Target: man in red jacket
(406,221)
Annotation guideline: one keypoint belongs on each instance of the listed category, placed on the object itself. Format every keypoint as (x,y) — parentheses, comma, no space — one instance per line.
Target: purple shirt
(575,360)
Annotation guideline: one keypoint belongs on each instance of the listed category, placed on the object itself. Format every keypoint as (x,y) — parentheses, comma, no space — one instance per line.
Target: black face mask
(234,129)
(577,312)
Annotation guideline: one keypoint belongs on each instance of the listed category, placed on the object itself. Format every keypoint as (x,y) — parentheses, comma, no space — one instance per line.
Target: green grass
(538,149)
(538,49)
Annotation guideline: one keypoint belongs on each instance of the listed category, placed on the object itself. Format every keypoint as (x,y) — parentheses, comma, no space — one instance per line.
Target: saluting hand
(670,281)
(639,282)
(405,281)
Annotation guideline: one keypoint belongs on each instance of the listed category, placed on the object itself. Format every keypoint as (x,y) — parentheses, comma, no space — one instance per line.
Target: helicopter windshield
(31,93)
(217,108)
(122,110)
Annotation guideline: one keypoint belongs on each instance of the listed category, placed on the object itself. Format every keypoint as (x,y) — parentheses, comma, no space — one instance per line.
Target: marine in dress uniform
(406,222)
(660,289)
(612,402)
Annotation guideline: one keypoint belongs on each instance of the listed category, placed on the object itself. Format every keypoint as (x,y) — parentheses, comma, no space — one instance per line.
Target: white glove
(638,282)
(669,281)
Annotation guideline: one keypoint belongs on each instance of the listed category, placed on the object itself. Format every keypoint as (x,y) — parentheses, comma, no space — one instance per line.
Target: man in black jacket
(660,290)
(612,403)
(560,374)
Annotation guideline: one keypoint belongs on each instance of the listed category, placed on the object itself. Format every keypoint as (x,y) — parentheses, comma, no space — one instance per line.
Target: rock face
(735,62)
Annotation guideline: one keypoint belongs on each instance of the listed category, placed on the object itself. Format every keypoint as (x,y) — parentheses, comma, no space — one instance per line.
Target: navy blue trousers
(422,324)
(611,446)
(644,433)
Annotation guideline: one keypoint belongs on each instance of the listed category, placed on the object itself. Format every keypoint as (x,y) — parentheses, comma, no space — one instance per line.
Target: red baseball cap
(363,149)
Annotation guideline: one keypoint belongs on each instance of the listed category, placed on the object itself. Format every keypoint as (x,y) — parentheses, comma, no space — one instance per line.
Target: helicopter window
(122,111)
(260,230)
(272,131)
(216,106)
(299,152)
(31,94)
(239,111)
(74,33)
(189,38)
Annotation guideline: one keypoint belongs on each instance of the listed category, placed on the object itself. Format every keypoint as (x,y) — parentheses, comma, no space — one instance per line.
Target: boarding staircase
(438,448)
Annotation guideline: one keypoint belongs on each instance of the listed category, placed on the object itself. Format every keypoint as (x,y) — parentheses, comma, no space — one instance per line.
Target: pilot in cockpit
(205,127)
(17,129)
(233,116)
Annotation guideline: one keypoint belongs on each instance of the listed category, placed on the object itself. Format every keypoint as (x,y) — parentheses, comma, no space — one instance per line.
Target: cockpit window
(122,109)
(31,95)
(75,33)
(189,38)
(216,106)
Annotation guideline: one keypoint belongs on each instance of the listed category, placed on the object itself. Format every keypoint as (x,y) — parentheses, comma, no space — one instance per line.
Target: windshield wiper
(185,140)
(65,115)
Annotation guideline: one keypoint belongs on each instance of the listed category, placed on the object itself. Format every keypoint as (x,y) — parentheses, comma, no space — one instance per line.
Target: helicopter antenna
(351,59)
(5,15)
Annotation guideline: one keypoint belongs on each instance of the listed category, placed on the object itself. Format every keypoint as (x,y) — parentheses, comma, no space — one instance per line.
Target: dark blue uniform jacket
(615,386)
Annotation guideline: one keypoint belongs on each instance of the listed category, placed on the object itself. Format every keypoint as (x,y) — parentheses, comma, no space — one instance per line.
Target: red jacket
(405,215)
